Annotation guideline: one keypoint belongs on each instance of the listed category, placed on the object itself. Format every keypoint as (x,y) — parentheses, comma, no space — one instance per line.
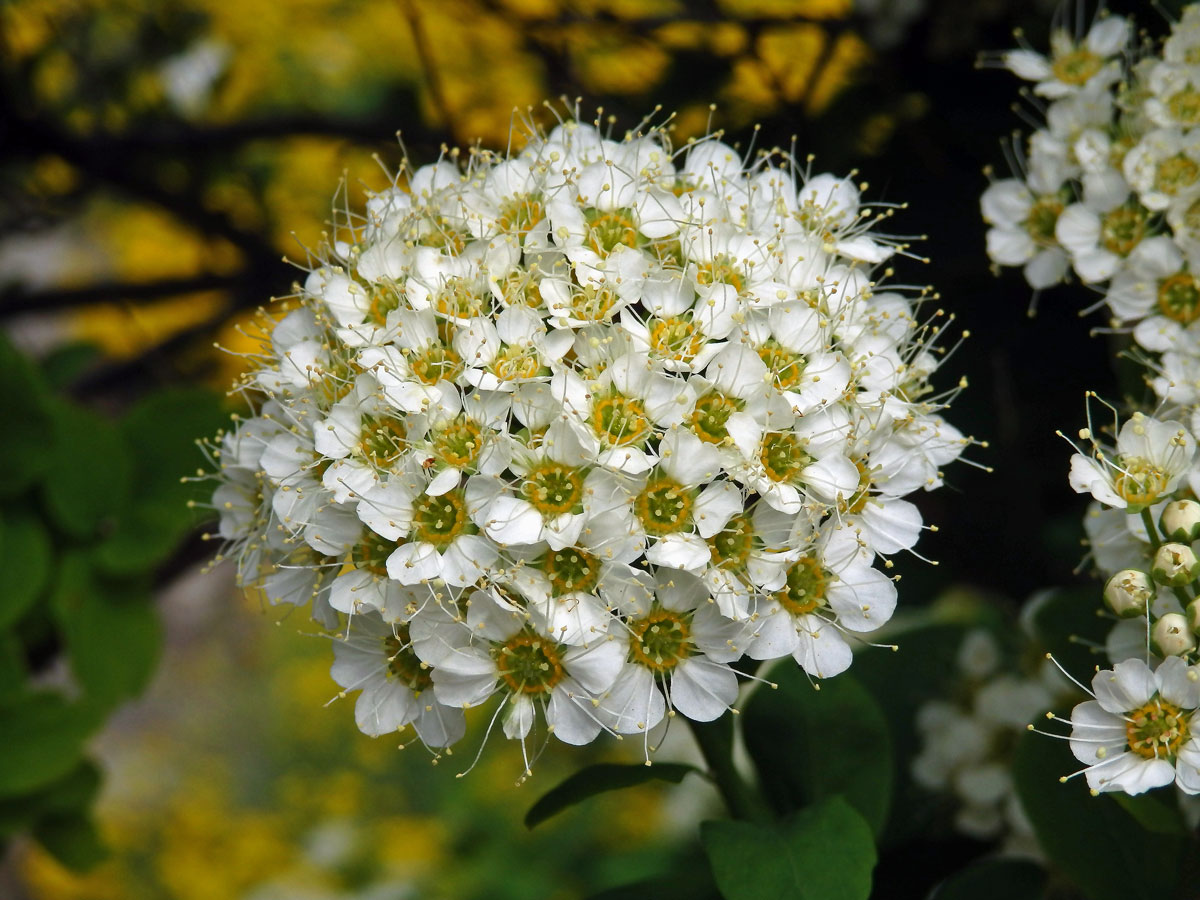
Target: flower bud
(1180,521)
(1175,565)
(1193,616)
(1171,636)
(1128,593)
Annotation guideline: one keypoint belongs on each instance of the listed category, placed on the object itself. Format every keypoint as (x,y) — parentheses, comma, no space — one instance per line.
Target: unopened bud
(1180,521)
(1175,565)
(1171,636)
(1129,593)
(1193,616)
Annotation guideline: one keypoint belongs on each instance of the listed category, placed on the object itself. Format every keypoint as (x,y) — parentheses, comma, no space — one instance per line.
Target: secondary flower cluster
(1110,187)
(1112,191)
(582,427)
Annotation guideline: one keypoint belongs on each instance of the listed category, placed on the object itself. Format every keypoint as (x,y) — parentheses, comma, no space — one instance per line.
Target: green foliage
(808,744)
(89,508)
(1065,624)
(597,779)
(1094,841)
(824,852)
(996,879)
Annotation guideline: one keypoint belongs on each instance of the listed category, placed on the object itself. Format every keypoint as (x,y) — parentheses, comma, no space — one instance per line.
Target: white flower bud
(1129,593)
(1180,521)
(1175,565)
(1171,636)
(1193,616)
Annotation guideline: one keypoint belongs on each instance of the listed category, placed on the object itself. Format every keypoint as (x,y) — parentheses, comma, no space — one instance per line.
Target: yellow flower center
(459,443)
(720,271)
(1076,66)
(1122,229)
(730,549)
(570,570)
(593,304)
(383,440)
(1156,730)
(460,298)
(529,664)
(404,664)
(805,587)
(711,415)
(664,507)
(1140,481)
(619,421)
(437,363)
(786,367)
(1042,218)
(1185,106)
(607,231)
(1176,174)
(439,520)
(553,489)
(783,457)
(1179,298)
(660,640)
(516,363)
(520,214)
(676,338)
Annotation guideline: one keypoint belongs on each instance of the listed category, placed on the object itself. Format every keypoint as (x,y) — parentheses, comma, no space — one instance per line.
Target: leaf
(161,433)
(90,473)
(810,744)
(997,879)
(111,631)
(73,792)
(23,452)
(598,779)
(1154,811)
(66,363)
(72,840)
(25,568)
(1065,624)
(12,668)
(43,740)
(825,852)
(1091,840)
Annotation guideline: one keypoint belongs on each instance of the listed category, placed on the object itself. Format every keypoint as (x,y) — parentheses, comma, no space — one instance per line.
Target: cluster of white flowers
(1112,192)
(1110,187)
(968,739)
(583,426)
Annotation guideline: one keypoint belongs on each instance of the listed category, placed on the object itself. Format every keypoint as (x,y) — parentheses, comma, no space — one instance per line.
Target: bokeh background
(163,168)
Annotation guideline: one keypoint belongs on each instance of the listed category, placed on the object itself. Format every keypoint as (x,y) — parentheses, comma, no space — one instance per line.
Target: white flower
(1074,65)
(1150,459)
(1137,733)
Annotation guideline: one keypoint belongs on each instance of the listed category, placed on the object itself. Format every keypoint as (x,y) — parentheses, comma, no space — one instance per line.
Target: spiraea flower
(568,433)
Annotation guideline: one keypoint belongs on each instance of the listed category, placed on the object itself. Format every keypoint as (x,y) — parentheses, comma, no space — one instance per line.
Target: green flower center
(1122,230)
(1077,66)
(783,457)
(1179,298)
(437,363)
(1042,218)
(607,231)
(660,640)
(664,507)
(383,440)
(786,367)
(570,570)
(458,444)
(1176,174)
(1156,730)
(529,664)
(1140,481)
(371,553)
(553,489)
(805,588)
(730,549)
(404,664)
(439,520)
(619,421)
(711,416)
(1185,106)
(676,338)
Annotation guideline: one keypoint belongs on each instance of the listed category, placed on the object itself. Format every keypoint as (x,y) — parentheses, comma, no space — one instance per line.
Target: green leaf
(63,365)
(825,852)
(43,740)
(12,668)
(1095,843)
(161,433)
(111,631)
(1065,624)
(809,744)
(1157,811)
(997,879)
(23,452)
(90,473)
(72,840)
(25,566)
(74,792)
(598,779)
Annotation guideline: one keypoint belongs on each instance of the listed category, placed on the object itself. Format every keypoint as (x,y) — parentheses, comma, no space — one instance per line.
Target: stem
(715,740)
(1148,521)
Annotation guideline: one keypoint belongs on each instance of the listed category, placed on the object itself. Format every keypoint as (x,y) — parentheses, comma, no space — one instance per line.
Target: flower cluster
(581,427)
(1112,192)
(968,739)
(1110,187)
